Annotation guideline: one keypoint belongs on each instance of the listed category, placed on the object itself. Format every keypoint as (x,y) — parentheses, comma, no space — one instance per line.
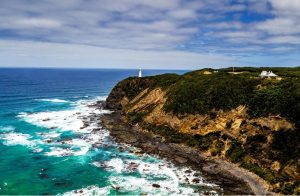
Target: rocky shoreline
(233,179)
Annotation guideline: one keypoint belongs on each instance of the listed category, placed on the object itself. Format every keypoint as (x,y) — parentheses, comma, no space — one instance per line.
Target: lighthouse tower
(140,72)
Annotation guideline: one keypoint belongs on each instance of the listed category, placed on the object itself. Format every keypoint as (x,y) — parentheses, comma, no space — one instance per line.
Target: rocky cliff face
(265,145)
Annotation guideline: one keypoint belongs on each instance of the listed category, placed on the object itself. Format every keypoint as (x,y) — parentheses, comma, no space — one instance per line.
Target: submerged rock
(43,176)
(196,180)
(156,185)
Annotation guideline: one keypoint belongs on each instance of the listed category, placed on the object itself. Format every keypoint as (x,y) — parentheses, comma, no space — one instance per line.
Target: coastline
(232,178)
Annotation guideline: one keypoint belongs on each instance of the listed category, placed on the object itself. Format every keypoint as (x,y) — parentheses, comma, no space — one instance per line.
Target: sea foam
(88,191)
(79,120)
(13,138)
(54,100)
(6,128)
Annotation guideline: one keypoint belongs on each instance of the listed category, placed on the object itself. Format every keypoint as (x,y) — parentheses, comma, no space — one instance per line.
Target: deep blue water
(46,149)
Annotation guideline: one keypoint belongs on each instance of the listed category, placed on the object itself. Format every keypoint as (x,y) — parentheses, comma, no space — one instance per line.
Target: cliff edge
(238,116)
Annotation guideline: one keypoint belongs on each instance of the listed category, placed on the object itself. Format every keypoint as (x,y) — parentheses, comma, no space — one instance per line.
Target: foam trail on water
(7,128)
(54,100)
(88,191)
(115,164)
(155,178)
(64,120)
(12,139)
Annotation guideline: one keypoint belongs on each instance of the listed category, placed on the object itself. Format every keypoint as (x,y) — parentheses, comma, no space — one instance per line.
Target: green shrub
(263,173)
(287,145)
(218,147)
(135,117)
(235,152)
(288,188)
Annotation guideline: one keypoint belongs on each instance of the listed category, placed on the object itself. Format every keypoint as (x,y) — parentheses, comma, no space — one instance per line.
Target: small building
(267,74)
(207,72)
(140,72)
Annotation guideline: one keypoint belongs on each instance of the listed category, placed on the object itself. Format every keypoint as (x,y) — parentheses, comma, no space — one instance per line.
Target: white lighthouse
(140,72)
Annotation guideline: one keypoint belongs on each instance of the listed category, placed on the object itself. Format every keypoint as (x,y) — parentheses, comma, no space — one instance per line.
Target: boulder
(180,160)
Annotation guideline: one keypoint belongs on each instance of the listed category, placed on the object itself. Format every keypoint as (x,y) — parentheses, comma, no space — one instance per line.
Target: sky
(152,34)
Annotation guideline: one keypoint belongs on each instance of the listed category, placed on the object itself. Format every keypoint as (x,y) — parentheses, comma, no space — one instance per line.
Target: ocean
(46,149)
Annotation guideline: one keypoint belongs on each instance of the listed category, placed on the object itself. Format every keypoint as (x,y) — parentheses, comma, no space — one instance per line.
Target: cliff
(238,116)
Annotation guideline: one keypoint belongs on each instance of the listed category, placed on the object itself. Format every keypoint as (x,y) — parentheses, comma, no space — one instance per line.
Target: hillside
(236,116)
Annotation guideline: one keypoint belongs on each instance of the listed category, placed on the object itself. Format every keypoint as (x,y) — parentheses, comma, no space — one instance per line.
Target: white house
(267,74)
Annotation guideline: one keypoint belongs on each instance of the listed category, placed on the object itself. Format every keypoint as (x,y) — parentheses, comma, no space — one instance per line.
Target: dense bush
(263,173)
(165,80)
(202,93)
(218,147)
(133,86)
(195,93)
(280,98)
(287,145)
(235,152)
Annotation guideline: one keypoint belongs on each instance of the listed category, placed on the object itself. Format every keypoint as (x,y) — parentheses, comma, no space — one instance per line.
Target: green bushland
(288,188)
(200,94)
(277,98)
(235,152)
(132,86)
(196,93)
(286,146)
(262,172)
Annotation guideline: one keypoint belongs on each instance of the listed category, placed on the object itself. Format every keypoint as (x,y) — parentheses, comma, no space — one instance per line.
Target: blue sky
(164,34)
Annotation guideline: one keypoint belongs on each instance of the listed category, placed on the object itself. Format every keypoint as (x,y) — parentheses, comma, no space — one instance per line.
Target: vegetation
(264,173)
(196,93)
(202,93)
(206,92)
(236,152)
(277,98)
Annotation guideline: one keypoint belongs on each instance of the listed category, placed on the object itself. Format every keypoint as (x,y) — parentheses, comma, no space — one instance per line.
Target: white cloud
(116,24)
(284,40)
(183,14)
(22,54)
(280,26)
(286,7)
(286,18)
(204,26)
(36,23)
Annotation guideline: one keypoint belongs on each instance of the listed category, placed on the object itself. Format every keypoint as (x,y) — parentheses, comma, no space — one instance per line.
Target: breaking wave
(77,131)
(54,100)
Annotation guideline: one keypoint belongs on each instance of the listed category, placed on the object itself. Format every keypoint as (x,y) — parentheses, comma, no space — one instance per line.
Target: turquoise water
(52,143)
